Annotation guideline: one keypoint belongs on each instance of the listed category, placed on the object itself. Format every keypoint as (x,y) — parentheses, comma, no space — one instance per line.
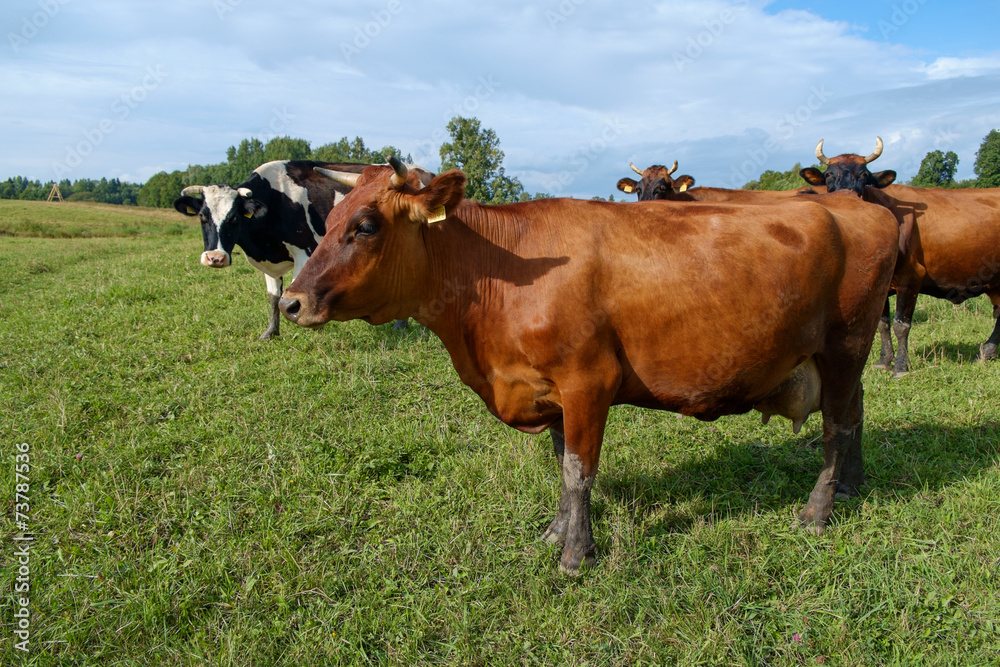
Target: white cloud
(948,68)
(572,87)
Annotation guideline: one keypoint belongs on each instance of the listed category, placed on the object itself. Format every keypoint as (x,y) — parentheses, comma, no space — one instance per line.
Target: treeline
(103,191)
(471,147)
(162,189)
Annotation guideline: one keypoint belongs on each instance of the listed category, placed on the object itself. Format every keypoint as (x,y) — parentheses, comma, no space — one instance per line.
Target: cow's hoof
(986,352)
(268,335)
(808,522)
(845,491)
(556,533)
(814,528)
(898,374)
(575,570)
(884,365)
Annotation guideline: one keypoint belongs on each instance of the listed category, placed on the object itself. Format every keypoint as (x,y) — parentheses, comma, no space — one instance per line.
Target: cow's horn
(635,168)
(245,192)
(819,153)
(878,150)
(192,190)
(399,178)
(673,168)
(342,177)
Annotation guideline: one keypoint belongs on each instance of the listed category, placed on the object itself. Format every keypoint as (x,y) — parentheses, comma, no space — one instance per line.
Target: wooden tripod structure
(54,193)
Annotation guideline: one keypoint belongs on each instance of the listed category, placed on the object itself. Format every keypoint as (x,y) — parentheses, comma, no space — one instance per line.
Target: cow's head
(372,263)
(222,210)
(656,183)
(848,172)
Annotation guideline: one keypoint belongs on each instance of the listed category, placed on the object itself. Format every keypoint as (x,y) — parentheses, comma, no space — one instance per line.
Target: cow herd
(707,302)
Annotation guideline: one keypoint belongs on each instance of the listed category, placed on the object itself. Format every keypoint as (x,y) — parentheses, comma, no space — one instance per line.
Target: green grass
(41,219)
(339,497)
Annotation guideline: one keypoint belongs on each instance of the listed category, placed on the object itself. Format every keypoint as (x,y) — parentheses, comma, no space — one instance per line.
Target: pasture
(339,497)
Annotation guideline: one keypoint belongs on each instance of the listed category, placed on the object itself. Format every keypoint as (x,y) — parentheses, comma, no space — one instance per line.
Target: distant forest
(473,149)
(162,188)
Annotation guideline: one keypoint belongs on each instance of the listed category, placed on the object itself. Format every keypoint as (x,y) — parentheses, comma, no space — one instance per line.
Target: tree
(161,189)
(244,159)
(987,166)
(476,151)
(286,148)
(937,170)
(780,180)
(356,151)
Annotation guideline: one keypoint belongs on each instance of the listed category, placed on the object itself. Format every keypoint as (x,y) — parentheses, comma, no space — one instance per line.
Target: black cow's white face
(222,210)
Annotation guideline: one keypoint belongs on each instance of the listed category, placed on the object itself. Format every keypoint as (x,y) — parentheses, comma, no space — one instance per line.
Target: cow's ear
(188,205)
(813,176)
(439,198)
(627,185)
(253,208)
(885,178)
(682,183)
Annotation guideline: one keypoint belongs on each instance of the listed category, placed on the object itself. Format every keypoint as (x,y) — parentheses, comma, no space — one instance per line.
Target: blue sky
(575,89)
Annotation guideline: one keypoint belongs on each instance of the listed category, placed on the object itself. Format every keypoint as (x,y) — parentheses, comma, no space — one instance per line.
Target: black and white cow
(277,217)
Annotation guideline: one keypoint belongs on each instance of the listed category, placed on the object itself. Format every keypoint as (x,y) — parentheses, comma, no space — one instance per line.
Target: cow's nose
(290,308)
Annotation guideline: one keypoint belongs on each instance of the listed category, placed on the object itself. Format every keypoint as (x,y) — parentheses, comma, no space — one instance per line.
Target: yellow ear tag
(248,215)
(437,215)
(628,188)
(191,211)
(683,187)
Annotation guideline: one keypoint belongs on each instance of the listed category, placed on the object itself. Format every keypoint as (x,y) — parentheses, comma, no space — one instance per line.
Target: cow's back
(956,236)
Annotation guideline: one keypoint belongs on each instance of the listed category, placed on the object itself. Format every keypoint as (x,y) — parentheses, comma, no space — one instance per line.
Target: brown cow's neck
(471,256)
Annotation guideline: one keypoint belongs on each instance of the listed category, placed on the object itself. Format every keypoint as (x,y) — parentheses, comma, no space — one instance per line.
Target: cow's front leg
(584,417)
(887,355)
(579,546)
(556,533)
(988,350)
(842,465)
(906,303)
(274,296)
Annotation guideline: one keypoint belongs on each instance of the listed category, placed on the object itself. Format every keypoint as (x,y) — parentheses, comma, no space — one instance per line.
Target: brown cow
(949,245)
(656,183)
(555,310)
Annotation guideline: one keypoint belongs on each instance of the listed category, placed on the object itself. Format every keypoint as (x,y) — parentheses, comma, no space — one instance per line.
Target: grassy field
(339,498)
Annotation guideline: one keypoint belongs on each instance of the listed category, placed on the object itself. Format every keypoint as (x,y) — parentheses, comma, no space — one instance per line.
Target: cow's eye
(367,228)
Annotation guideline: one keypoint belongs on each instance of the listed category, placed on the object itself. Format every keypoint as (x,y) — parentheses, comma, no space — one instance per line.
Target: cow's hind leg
(274,296)
(988,350)
(887,355)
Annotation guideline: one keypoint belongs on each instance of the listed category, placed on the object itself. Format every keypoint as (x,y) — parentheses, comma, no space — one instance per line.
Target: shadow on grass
(957,352)
(747,477)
